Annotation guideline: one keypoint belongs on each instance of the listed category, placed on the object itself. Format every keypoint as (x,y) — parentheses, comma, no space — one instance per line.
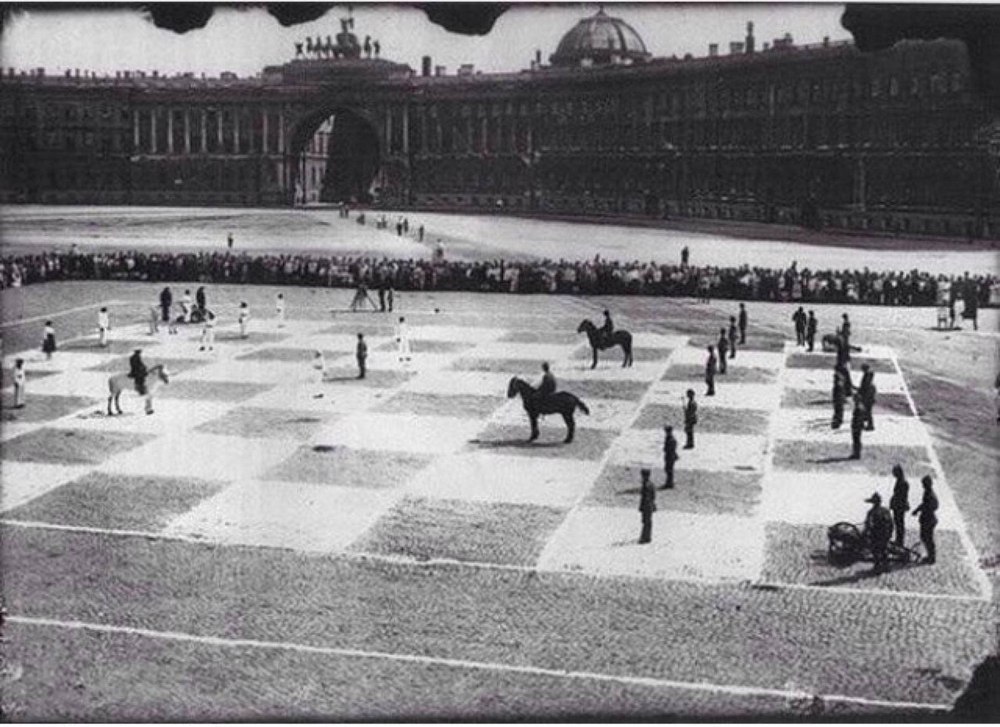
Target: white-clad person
(244,319)
(208,331)
(403,340)
(103,326)
(279,308)
(20,380)
(186,306)
(319,364)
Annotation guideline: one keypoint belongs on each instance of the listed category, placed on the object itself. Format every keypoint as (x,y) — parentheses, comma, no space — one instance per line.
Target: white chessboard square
(254,372)
(483,383)
(813,425)
(332,342)
(457,334)
(552,352)
(756,359)
(75,383)
(765,397)
(24,481)
(205,456)
(822,380)
(644,339)
(604,541)
(610,414)
(712,452)
(61,360)
(399,433)
(299,516)
(691,355)
(326,397)
(480,477)
(389,361)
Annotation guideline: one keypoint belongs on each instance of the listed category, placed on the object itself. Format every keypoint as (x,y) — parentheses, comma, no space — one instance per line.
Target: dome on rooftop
(599,40)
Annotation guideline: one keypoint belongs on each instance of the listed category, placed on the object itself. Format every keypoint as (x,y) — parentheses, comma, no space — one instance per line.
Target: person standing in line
(857,426)
(403,340)
(647,506)
(103,325)
(899,504)
(279,309)
(20,381)
(799,319)
(710,369)
(361,353)
(878,531)
(723,346)
(866,390)
(166,300)
(743,324)
(927,510)
(244,319)
(690,419)
(49,340)
(669,456)
(208,332)
(811,331)
(732,337)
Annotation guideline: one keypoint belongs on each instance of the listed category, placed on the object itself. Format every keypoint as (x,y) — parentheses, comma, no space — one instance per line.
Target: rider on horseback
(547,387)
(607,329)
(137,371)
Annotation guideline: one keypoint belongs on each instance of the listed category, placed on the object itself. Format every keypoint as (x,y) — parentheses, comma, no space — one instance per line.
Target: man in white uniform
(208,332)
(186,306)
(279,307)
(244,319)
(403,340)
(103,324)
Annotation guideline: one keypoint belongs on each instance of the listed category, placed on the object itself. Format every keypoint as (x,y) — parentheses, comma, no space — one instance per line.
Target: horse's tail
(581,406)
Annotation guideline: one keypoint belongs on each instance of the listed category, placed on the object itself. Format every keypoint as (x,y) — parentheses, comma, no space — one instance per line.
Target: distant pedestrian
(389,296)
(186,306)
(732,337)
(857,426)
(669,456)
(811,331)
(207,332)
(403,340)
(723,346)
(845,334)
(279,309)
(839,398)
(361,353)
(200,301)
(899,504)
(878,532)
(685,256)
(927,510)
(866,390)
(420,233)
(711,366)
(244,320)
(166,300)
(103,325)
(743,324)
(229,241)
(48,340)
(20,382)
(647,506)
(690,419)
(381,296)
(799,319)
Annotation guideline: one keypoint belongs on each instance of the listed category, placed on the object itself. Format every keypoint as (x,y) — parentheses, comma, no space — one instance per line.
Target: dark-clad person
(710,369)
(547,386)
(685,256)
(723,346)
(866,390)
(137,370)
(669,456)
(811,331)
(166,300)
(845,334)
(607,328)
(799,319)
(732,337)
(857,426)
(899,504)
(690,419)
(361,354)
(927,510)
(878,532)
(839,398)
(200,301)
(647,506)
(743,324)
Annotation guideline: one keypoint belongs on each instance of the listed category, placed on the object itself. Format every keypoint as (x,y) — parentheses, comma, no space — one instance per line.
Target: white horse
(120,382)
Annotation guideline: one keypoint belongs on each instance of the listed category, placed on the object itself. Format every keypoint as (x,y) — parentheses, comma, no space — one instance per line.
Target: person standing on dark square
(732,336)
(899,504)
(690,419)
(669,456)
(799,319)
(647,506)
(811,331)
(857,426)
(710,369)
(878,531)
(723,346)
(927,510)
(361,354)
(743,324)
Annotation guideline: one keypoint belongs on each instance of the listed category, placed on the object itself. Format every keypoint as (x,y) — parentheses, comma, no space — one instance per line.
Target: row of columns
(155,112)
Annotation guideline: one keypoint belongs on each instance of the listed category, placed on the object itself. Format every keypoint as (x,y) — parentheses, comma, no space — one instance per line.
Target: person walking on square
(927,510)
(244,320)
(723,346)
(48,340)
(811,331)
(878,532)
(669,456)
(866,389)
(732,337)
(799,319)
(857,426)
(361,353)
(899,504)
(166,300)
(137,370)
(403,340)
(690,419)
(208,332)
(743,324)
(20,381)
(647,506)
(279,309)
(710,369)
(103,324)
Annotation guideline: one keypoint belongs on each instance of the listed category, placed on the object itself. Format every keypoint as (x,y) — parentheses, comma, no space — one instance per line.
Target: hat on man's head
(644,472)
(926,481)
(875,499)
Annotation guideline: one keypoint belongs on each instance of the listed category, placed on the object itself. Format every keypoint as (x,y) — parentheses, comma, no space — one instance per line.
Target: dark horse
(562,402)
(621,337)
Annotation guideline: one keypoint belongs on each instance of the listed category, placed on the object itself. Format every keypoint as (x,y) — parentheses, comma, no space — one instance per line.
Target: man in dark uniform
(743,324)
(166,300)
(927,510)
(361,354)
(685,256)
(669,456)
(857,426)
(200,301)
(547,386)
(811,331)
(607,329)
(723,346)
(690,419)
(845,335)
(899,503)
(710,369)
(137,371)
(799,319)
(647,506)
(839,397)
(878,531)
(732,336)
(866,389)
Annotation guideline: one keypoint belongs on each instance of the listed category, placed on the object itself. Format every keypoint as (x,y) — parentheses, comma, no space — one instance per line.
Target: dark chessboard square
(374,378)
(118,502)
(798,554)
(895,404)
(825,456)
(476,532)
(587,444)
(174,365)
(644,353)
(540,336)
(695,491)
(348,467)
(827,360)
(371,326)
(420,345)
(260,423)
(604,388)
(43,407)
(767,344)
(461,405)
(721,420)
(735,373)
(115,346)
(70,446)
(255,338)
(499,365)
(290,355)
(211,390)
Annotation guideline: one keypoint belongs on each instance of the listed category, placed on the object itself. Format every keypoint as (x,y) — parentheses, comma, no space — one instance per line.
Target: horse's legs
(534,427)
(594,351)
(570,426)
(118,403)
(110,397)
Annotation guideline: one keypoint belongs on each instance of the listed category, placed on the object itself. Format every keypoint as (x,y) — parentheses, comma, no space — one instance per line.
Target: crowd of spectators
(597,276)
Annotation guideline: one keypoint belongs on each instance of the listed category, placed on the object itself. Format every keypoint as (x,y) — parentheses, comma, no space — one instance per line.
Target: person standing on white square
(208,332)
(103,326)
(244,319)
(279,307)
(20,379)
(403,340)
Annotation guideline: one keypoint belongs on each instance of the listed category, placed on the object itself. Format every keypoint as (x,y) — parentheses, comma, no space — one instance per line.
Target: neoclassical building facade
(822,135)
